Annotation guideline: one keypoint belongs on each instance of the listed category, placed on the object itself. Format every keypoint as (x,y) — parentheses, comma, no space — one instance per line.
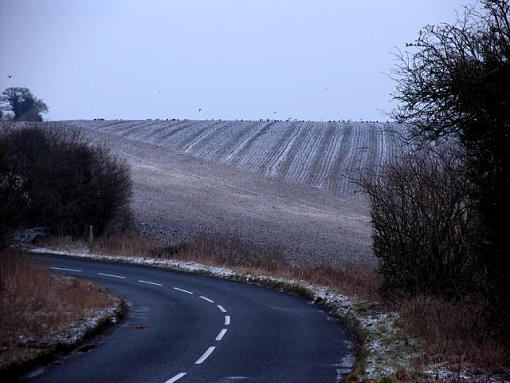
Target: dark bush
(424,225)
(454,81)
(12,199)
(68,183)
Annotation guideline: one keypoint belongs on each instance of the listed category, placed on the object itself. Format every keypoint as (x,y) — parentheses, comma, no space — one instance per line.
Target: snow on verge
(63,339)
(386,347)
(78,330)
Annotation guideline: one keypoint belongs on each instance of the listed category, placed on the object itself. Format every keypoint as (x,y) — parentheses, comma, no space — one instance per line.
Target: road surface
(187,328)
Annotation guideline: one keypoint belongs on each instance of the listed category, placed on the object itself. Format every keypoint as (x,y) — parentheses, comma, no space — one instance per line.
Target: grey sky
(315,59)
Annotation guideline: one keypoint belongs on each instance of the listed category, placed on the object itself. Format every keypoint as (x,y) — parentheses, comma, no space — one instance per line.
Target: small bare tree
(423,225)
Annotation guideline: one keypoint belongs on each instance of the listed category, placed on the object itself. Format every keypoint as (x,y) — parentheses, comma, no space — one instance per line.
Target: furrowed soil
(182,189)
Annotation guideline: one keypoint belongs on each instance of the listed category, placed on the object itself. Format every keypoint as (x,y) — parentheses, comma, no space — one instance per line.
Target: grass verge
(43,313)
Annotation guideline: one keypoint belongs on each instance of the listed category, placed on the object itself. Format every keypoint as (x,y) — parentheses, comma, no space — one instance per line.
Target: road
(188,328)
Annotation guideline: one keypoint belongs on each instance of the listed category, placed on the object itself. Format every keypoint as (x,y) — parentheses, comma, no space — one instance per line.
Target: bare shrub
(424,225)
(455,332)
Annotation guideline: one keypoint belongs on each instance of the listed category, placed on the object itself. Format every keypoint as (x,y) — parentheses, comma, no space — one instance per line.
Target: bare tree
(423,225)
(454,80)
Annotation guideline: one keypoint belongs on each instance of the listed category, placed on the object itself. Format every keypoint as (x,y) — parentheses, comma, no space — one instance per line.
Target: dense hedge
(51,176)
(425,226)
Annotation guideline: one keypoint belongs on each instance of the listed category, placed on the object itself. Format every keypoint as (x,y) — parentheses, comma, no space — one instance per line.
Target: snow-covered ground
(325,155)
(178,196)
(77,332)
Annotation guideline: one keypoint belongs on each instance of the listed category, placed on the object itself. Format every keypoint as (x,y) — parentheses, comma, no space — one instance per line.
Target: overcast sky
(314,59)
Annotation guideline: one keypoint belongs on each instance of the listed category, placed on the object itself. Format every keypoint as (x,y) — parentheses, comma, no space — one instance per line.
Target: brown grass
(456,332)
(352,279)
(36,304)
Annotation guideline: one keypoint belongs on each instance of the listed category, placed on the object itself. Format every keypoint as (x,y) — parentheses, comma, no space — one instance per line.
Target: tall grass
(36,304)
(456,333)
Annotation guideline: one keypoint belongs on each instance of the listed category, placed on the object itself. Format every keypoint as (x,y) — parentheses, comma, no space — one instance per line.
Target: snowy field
(271,183)
(324,155)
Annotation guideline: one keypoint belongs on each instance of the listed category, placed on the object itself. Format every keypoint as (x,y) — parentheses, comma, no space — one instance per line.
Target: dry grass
(352,279)
(456,333)
(36,304)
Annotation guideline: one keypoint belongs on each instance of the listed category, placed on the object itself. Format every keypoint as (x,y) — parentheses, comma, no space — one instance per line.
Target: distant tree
(455,81)
(23,104)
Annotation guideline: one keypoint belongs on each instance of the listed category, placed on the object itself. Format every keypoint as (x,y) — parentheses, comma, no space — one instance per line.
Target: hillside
(325,155)
(285,184)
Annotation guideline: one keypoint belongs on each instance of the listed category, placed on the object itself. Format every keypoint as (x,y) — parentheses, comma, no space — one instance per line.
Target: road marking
(150,283)
(222,309)
(182,290)
(221,334)
(64,269)
(111,275)
(176,377)
(205,356)
(206,299)
(227,320)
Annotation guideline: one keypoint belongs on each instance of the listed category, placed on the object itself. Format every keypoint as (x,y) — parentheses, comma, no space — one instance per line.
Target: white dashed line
(150,283)
(206,299)
(64,269)
(221,334)
(208,352)
(176,378)
(111,275)
(205,356)
(222,309)
(182,290)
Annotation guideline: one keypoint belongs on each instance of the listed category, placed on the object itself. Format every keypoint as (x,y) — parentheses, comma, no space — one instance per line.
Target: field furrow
(324,155)
(247,142)
(224,148)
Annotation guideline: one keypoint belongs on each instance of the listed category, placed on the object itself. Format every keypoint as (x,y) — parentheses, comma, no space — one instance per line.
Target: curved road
(188,328)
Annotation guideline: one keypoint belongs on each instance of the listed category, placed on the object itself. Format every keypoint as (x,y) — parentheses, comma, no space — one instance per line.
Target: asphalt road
(190,328)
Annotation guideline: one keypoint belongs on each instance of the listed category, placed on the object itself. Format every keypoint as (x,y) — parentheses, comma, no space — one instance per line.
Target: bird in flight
(199,109)
(10,75)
